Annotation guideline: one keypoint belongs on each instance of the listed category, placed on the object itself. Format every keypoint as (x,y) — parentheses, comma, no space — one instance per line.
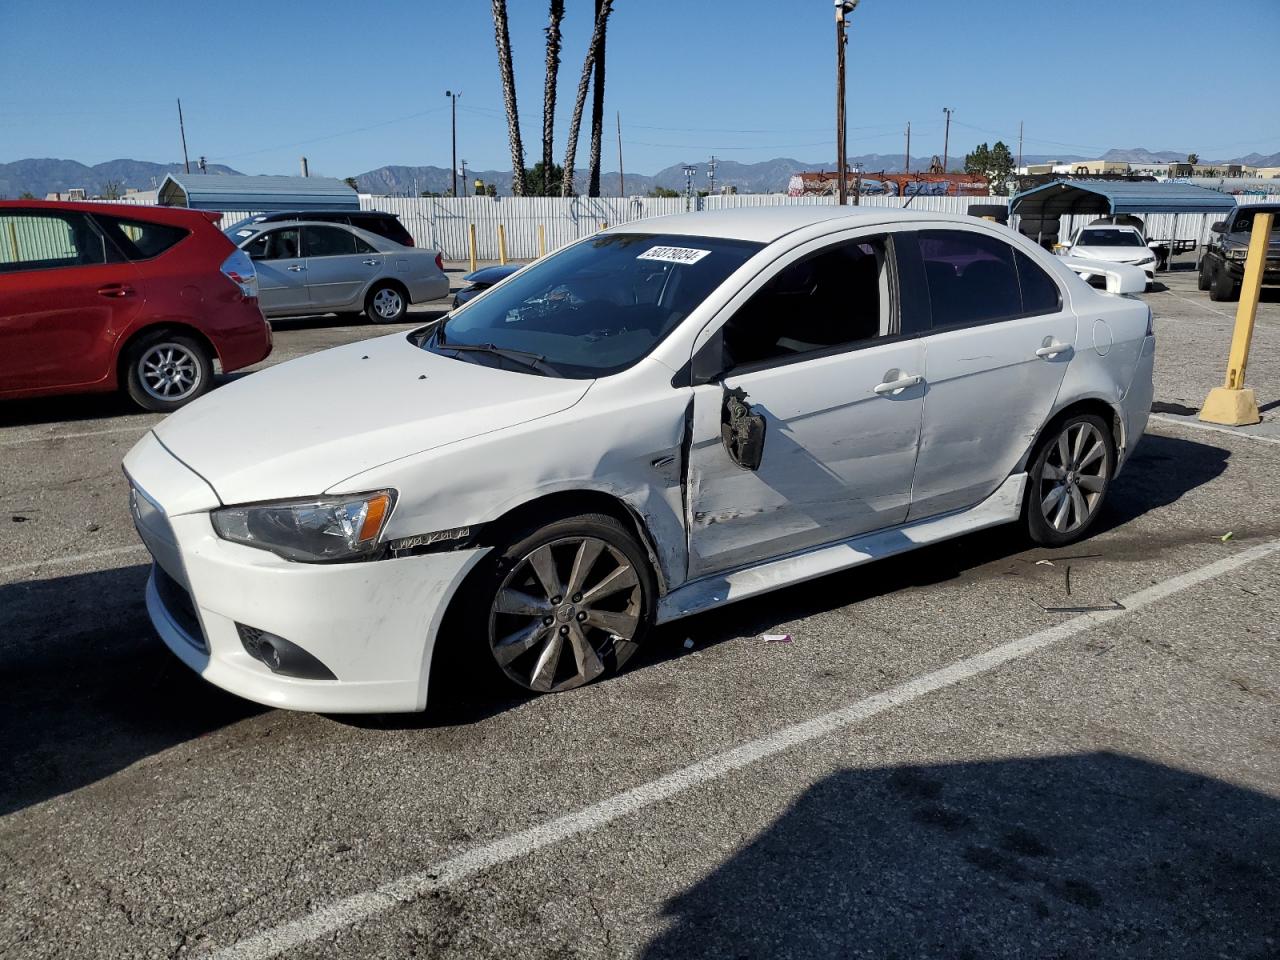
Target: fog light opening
(282,656)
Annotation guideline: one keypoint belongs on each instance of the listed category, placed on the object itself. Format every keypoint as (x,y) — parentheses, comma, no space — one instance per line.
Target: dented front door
(802,453)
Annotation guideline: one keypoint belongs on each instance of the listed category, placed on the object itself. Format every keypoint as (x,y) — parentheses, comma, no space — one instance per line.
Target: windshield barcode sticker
(673,254)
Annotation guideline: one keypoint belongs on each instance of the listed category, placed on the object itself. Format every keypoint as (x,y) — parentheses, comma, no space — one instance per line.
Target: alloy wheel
(388,303)
(565,613)
(169,372)
(1074,477)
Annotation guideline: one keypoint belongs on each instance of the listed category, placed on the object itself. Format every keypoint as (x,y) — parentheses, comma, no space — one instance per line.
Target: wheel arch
(1108,411)
(157,326)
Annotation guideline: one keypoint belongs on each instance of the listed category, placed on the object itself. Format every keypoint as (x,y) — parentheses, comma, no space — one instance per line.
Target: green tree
(26,195)
(995,163)
(351,182)
(1193,158)
(664,192)
(491,190)
(537,183)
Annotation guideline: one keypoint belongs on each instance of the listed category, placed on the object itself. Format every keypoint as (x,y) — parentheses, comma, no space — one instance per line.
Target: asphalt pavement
(979,749)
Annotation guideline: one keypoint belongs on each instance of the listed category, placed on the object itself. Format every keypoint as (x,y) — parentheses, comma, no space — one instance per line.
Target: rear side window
(139,239)
(388,227)
(971,277)
(47,240)
(1039,293)
(328,242)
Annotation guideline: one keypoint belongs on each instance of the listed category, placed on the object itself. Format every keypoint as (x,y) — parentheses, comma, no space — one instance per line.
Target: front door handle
(296,268)
(115,290)
(1052,349)
(894,384)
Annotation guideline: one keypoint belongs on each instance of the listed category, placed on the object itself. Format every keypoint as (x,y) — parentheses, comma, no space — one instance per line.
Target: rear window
(139,239)
(1109,238)
(971,277)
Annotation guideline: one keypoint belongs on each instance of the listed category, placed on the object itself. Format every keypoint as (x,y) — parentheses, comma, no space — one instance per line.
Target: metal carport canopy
(257,194)
(1101,197)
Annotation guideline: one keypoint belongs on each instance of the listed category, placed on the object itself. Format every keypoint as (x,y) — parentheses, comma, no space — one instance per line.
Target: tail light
(440,261)
(239,269)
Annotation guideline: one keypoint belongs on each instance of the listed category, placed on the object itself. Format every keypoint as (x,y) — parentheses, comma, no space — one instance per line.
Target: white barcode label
(673,254)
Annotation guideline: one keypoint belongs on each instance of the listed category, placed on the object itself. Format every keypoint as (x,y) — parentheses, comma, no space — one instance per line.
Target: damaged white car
(652,422)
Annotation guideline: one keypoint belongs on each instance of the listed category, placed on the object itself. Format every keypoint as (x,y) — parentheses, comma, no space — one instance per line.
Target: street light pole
(454,98)
(843,9)
(946,138)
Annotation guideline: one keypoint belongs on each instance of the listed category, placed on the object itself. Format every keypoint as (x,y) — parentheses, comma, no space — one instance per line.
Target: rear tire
(164,371)
(1222,288)
(566,603)
(1067,484)
(386,303)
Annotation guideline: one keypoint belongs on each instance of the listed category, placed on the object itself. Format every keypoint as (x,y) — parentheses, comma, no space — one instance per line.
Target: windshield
(1244,224)
(1109,238)
(240,224)
(596,308)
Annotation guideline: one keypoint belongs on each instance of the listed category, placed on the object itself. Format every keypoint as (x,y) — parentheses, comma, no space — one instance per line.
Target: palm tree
(575,125)
(503,40)
(597,108)
(549,91)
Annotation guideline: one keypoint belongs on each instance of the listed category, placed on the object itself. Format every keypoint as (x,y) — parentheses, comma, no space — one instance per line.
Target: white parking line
(1197,425)
(33,565)
(1197,303)
(360,907)
(137,428)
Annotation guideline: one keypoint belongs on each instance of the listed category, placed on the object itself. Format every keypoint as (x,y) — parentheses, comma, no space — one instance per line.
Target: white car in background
(655,421)
(1113,243)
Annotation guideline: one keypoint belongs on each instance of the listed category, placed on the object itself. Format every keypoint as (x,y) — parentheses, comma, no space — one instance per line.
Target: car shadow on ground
(1160,471)
(1095,855)
(68,409)
(89,688)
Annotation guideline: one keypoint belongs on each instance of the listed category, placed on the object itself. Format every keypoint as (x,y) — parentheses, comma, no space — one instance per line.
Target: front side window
(328,242)
(836,297)
(593,309)
(138,239)
(971,278)
(40,240)
(1109,238)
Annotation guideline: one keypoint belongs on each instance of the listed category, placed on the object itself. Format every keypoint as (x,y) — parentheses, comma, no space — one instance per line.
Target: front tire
(1205,277)
(1071,471)
(386,303)
(164,371)
(1222,288)
(568,602)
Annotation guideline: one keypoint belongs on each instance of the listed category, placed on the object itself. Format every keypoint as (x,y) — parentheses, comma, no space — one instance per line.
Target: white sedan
(655,421)
(1114,244)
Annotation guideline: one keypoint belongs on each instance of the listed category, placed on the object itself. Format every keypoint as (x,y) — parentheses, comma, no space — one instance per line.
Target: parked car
(478,281)
(1222,258)
(99,297)
(652,422)
(375,221)
(1114,243)
(307,268)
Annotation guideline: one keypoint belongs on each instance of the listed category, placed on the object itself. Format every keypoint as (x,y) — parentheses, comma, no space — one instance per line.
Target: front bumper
(1270,271)
(372,624)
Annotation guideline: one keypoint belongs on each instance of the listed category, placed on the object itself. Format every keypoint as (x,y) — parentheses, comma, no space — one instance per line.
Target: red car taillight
(239,269)
(440,261)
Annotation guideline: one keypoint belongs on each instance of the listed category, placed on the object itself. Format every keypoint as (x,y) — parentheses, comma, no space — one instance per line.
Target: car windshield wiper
(533,361)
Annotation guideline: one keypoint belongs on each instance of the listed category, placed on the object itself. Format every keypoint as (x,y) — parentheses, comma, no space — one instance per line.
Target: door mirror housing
(1219,226)
(742,431)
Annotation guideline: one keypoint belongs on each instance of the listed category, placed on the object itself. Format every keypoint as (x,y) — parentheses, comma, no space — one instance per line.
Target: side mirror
(1219,227)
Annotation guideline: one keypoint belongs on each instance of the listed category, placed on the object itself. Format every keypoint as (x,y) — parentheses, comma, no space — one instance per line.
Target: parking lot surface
(979,749)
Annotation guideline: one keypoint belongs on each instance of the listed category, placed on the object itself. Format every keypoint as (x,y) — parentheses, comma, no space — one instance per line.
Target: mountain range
(42,176)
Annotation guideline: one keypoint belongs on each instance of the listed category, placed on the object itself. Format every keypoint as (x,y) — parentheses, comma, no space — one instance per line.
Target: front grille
(177,601)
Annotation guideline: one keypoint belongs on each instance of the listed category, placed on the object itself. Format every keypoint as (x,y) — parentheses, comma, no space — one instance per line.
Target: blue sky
(354,86)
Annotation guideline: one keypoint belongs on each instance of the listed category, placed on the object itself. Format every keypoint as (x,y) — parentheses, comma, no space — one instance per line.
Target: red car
(99,297)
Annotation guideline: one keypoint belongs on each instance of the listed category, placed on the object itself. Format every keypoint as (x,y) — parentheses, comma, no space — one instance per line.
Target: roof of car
(766,224)
(312,214)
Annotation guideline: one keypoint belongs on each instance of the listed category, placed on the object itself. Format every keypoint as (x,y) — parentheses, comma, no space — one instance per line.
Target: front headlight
(314,530)
(1144,261)
(1237,253)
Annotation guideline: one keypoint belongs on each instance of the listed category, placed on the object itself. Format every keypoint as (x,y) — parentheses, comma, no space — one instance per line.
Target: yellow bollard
(603,225)
(502,244)
(1234,404)
(542,241)
(471,243)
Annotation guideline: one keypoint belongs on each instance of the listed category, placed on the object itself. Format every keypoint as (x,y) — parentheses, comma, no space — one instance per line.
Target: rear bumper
(1137,400)
(427,289)
(242,335)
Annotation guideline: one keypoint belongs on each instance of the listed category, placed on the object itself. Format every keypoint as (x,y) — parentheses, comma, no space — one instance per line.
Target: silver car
(307,268)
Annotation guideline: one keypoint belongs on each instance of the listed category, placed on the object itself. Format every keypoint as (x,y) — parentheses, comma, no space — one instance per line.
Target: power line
(331,136)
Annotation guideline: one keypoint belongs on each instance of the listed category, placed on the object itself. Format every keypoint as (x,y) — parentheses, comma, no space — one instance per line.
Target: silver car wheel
(169,372)
(388,303)
(578,595)
(1074,477)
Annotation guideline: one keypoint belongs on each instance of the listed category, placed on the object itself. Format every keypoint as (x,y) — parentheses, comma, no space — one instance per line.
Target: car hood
(1113,254)
(299,428)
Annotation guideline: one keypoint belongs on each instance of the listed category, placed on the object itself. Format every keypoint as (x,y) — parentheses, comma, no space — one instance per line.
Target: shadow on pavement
(75,407)
(1098,855)
(89,689)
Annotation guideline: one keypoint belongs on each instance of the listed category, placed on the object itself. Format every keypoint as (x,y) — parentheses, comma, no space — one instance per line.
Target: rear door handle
(115,290)
(900,383)
(296,268)
(1053,349)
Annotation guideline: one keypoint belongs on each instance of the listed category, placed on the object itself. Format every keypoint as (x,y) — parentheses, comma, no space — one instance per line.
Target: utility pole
(453,97)
(689,171)
(622,183)
(1019,144)
(186,164)
(843,9)
(946,138)
(711,175)
(906,167)
(464,178)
